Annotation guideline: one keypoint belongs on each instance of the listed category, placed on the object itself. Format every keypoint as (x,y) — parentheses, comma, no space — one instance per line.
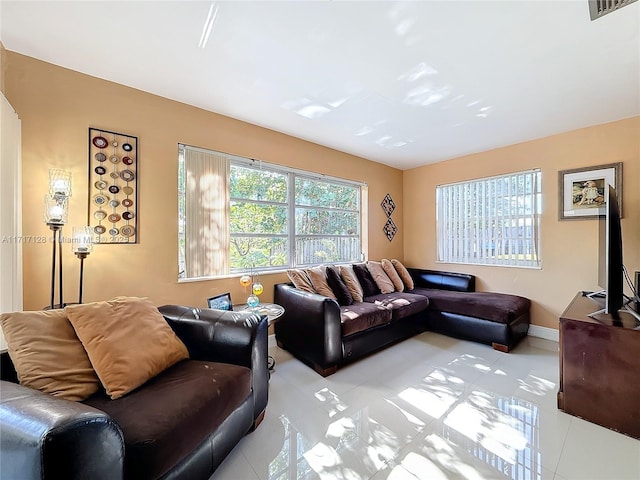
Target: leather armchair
(44,437)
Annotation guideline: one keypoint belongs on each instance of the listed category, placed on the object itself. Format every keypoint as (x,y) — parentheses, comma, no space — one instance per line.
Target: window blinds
(490,221)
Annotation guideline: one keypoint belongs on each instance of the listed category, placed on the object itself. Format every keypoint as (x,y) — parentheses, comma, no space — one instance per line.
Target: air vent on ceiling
(598,8)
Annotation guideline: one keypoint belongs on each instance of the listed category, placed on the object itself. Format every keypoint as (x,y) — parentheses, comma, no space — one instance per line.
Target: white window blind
(490,221)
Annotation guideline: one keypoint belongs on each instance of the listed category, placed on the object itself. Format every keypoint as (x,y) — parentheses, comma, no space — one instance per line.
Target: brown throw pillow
(403,273)
(390,270)
(128,341)
(369,287)
(380,277)
(47,354)
(300,280)
(338,286)
(351,281)
(318,277)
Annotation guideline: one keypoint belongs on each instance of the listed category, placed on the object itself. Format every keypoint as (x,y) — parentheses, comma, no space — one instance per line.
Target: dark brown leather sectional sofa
(325,336)
(180,424)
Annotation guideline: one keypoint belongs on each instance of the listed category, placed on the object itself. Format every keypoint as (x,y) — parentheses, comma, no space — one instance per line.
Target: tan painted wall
(569,248)
(57,106)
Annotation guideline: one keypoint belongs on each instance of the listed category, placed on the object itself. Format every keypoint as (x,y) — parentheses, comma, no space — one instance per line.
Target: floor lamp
(56,205)
(82,247)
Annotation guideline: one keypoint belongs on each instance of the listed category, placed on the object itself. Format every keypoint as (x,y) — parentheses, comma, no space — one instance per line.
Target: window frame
(291,205)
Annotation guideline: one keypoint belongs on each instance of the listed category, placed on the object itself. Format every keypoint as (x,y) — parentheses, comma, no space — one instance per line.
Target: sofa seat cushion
(401,304)
(496,307)
(360,316)
(170,415)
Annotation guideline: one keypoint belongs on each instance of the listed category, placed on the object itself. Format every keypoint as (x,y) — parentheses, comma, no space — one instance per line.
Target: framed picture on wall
(581,190)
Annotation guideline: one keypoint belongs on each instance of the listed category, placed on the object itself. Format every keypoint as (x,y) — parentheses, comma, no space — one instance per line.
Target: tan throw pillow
(403,273)
(350,279)
(47,354)
(382,280)
(390,270)
(301,280)
(128,341)
(318,277)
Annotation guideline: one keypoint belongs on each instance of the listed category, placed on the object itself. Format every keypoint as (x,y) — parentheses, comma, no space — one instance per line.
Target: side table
(273,311)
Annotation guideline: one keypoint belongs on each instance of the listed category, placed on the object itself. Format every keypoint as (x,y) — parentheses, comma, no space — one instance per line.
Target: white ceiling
(401,83)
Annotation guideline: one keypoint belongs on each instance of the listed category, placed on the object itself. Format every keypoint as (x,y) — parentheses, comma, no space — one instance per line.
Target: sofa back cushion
(338,286)
(128,341)
(369,286)
(352,283)
(300,280)
(382,280)
(318,277)
(47,354)
(403,273)
(390,270)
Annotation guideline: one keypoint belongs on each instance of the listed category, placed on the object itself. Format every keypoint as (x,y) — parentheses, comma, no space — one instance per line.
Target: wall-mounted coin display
(127,231)
(100,141)
(100,199)
(127,175)
(113,186)
(99,215)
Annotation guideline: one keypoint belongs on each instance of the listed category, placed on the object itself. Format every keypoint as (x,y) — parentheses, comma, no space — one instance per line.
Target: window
(236,214)
(490,221)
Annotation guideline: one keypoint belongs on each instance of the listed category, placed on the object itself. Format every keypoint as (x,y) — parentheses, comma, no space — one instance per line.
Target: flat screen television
(610,266)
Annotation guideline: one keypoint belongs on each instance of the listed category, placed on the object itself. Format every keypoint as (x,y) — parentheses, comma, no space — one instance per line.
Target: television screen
(610,266)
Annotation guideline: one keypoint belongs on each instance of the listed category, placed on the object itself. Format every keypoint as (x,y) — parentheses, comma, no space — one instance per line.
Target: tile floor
(431,407)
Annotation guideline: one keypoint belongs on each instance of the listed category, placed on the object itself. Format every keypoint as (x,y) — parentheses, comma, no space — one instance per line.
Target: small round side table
(273,311)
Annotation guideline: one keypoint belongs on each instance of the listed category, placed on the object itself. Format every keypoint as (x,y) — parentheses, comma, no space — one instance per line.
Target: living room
(56,107)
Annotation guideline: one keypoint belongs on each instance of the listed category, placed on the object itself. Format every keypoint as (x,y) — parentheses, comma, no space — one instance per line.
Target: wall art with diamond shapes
(388,205)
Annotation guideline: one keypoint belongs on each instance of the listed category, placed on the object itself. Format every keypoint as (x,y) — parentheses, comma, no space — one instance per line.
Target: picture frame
(220,302)
(581,190)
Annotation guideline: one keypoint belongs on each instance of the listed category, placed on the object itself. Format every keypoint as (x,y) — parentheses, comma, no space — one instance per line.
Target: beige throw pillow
(390,270)
(382,280)
(128,341)
(404,274)
(47,354)
(301,280)
(350,279)
(318,277)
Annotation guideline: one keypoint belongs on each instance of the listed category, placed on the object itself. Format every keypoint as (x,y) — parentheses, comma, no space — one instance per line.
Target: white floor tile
(430,407)
(594,452)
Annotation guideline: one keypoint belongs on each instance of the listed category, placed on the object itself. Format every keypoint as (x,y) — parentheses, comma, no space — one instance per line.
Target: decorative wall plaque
(388,205)
(113,186)
(390,229)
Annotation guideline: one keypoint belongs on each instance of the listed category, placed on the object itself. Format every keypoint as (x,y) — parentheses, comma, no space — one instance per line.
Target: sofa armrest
(457,282)
(310,326)
(44,437)
(239,338)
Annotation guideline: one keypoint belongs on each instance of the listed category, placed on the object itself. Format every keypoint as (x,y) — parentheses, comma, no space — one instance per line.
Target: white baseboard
(544,332)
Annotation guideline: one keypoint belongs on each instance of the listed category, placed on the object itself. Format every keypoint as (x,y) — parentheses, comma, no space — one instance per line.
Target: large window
(237,214)
(490,221)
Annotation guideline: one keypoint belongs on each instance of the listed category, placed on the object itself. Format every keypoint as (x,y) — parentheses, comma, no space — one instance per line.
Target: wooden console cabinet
(600,367)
